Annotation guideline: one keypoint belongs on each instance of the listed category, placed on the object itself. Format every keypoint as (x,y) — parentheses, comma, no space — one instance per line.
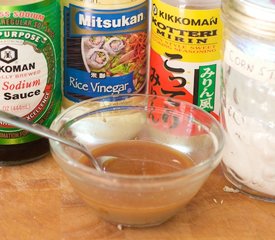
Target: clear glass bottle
(29,74)
(104,48)
(248,96)
(185,54)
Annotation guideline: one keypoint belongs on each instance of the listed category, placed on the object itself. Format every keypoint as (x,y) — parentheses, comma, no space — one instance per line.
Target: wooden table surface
(37,202)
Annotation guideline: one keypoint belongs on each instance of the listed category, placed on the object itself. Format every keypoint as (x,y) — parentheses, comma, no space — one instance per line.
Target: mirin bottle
(185,54)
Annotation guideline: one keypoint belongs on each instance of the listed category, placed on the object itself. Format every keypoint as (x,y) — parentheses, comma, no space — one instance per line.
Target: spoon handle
(38,129)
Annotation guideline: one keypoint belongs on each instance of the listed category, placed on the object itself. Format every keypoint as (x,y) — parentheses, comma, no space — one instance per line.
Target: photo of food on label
(119,55)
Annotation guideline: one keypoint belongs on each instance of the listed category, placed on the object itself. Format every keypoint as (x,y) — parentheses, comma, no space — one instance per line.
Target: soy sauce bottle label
(29,66)
(185,54)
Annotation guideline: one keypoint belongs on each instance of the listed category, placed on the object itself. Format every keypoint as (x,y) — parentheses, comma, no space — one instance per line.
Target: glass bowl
(138,200)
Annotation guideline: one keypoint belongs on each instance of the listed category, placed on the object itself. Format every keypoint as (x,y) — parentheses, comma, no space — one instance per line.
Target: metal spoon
(47,133)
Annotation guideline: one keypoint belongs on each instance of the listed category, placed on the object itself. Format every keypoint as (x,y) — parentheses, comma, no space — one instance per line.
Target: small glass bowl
(134,200)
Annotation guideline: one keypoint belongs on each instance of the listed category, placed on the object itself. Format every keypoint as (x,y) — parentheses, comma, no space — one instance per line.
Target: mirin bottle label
(29,67)
(185,54)
(104,49)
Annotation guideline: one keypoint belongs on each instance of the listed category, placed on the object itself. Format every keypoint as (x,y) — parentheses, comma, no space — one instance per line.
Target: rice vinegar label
(29,60)
(185,54)
(104,51)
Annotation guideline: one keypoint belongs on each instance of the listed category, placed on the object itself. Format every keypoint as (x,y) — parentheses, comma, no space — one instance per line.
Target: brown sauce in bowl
(144,203)
(136,157)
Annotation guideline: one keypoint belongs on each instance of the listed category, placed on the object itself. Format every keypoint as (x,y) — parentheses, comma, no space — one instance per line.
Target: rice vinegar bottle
(185,54)
(104,48)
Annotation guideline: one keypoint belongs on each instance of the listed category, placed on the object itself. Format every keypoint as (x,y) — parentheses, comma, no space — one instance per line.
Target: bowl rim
(210,162)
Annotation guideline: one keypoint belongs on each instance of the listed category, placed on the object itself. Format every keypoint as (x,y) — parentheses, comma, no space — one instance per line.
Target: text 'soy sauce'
(29,74)
(104,48)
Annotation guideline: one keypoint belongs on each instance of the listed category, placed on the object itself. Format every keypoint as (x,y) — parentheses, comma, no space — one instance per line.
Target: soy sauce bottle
(29,74)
